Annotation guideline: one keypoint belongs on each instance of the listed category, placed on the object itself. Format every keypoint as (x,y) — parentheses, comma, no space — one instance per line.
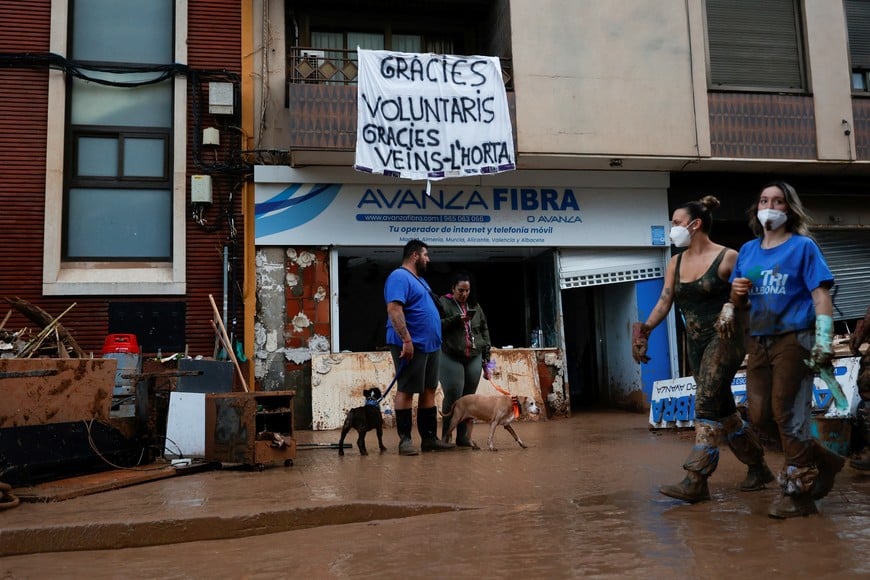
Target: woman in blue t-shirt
(782,277)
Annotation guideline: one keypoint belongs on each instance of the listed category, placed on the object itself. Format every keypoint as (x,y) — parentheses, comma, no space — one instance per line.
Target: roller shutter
(754,44)
(594,267)
(848,255)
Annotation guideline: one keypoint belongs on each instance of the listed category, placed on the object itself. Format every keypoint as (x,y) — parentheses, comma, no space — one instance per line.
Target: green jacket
(453,332)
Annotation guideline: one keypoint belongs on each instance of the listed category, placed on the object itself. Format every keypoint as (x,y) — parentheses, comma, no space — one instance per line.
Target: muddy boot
(700,464)
(446,437)
(748,449)
(404,420)
(427,425)
(861,460)
(796,498)
(462,438)
(829,465)
(792,506)
(692,489)
(756,477)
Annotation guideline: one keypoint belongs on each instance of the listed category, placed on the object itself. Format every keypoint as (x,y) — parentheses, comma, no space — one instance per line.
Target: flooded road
(580,502)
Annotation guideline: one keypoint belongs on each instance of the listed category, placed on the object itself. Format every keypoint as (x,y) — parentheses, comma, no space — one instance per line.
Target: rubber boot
(427,425)
(756,476)
(692,489)
(700,464)
(795,498)
(747,448)
(446,437)
(861,460)
(829,465)
(404,420)
(462,438)
(792,506)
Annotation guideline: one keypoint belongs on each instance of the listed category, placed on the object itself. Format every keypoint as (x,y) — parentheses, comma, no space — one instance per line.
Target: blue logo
(284,211)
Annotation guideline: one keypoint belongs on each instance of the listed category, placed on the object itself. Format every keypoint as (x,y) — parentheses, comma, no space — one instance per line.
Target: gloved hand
(823,350)
(725,323)
(488,369)
(639,342)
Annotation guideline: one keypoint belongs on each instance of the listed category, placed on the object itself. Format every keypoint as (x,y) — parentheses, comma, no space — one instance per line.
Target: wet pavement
(581,501)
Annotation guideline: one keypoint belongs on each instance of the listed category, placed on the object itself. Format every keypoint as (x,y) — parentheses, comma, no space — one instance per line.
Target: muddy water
(580,502)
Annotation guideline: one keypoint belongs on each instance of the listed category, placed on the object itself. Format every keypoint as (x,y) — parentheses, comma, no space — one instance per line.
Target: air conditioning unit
(314,57)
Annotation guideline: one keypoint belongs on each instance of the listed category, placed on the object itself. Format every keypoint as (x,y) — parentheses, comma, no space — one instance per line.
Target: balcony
(322,100)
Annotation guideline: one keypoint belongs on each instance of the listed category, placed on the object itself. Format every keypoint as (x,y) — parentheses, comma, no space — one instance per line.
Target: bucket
(835,433)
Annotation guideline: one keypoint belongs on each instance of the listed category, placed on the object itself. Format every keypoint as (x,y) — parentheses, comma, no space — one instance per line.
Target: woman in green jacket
(464,349)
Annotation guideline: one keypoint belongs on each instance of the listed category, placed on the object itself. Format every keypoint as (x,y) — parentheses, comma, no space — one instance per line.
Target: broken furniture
(252,428)
(55,420)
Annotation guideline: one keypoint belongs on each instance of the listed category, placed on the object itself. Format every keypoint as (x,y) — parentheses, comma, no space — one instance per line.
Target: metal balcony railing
(334,66)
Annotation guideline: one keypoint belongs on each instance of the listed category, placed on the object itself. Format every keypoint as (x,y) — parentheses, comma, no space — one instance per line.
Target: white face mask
(680,236)
(771,219)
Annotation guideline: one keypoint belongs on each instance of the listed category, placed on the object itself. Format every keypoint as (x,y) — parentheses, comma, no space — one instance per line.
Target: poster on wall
(431,116)
(672,403)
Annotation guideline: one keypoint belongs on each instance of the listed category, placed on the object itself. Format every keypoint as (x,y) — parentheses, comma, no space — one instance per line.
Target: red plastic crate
(121,343)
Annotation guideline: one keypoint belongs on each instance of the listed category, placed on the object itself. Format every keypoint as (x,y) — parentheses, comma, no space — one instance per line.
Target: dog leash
(402,365)
(514,399)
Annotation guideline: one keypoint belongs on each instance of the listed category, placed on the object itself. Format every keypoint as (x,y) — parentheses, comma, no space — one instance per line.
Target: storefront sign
(356,214)
(673,401)
(430,116)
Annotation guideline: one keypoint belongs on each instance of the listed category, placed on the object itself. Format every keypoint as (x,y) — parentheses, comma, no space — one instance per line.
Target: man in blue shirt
(414,337)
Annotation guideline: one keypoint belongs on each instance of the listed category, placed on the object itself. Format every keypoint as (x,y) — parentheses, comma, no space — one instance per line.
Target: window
(115,198)
(858,27)
(332,57)
(118,195)
(755,45)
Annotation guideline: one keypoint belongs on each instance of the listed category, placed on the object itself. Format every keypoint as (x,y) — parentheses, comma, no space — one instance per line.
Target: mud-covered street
(581,501)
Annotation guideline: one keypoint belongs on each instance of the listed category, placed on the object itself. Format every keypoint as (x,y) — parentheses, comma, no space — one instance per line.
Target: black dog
(364,419)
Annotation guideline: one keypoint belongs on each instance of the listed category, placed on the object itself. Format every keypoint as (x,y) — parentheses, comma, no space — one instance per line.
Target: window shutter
(754,44)
(858,25)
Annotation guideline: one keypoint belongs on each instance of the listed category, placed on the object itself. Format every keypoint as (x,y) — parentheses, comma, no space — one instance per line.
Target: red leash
(514,399)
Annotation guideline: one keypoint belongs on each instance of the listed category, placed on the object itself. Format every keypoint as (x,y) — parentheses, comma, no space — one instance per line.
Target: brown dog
(493,409)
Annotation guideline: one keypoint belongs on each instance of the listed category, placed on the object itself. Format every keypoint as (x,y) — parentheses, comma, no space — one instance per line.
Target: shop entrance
(581,353)
(507,282)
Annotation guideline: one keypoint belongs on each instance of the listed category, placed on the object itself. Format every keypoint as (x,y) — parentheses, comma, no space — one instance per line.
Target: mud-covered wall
(293,321)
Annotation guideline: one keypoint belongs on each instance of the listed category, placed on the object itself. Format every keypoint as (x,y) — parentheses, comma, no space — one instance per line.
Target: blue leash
(402,365)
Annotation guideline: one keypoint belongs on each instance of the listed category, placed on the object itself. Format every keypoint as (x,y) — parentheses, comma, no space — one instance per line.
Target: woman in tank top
(697,280)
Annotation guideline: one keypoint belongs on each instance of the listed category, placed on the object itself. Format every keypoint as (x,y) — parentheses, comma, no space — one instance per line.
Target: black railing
(335,66)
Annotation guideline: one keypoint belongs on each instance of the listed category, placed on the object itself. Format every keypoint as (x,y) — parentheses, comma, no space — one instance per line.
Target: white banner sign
(672,403)
(430,116)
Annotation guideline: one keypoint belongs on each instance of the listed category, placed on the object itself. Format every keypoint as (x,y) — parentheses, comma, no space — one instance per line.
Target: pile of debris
(50,339)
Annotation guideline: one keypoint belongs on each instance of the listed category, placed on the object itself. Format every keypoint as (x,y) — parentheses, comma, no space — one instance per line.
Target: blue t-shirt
(421,314)
(783,279)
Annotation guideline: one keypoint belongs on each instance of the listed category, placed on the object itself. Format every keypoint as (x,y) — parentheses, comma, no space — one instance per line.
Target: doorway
(581,356)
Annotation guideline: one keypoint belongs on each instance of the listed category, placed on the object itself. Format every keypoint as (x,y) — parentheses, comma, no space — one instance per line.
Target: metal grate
(612,277)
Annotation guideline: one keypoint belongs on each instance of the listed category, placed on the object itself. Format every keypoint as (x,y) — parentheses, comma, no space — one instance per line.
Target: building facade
(122,142)
(632,106)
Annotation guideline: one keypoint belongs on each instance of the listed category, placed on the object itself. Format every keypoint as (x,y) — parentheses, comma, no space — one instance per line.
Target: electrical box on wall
(200,188)
(220,98)
(211,136)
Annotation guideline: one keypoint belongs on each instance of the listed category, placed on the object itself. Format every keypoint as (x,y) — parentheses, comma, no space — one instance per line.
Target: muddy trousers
(704,457)
(779,386)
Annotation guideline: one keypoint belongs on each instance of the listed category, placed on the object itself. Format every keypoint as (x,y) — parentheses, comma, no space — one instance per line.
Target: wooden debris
(25,344)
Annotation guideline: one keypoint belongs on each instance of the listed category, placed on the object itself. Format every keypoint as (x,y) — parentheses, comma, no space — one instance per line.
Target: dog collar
(516,401)
(372,403)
